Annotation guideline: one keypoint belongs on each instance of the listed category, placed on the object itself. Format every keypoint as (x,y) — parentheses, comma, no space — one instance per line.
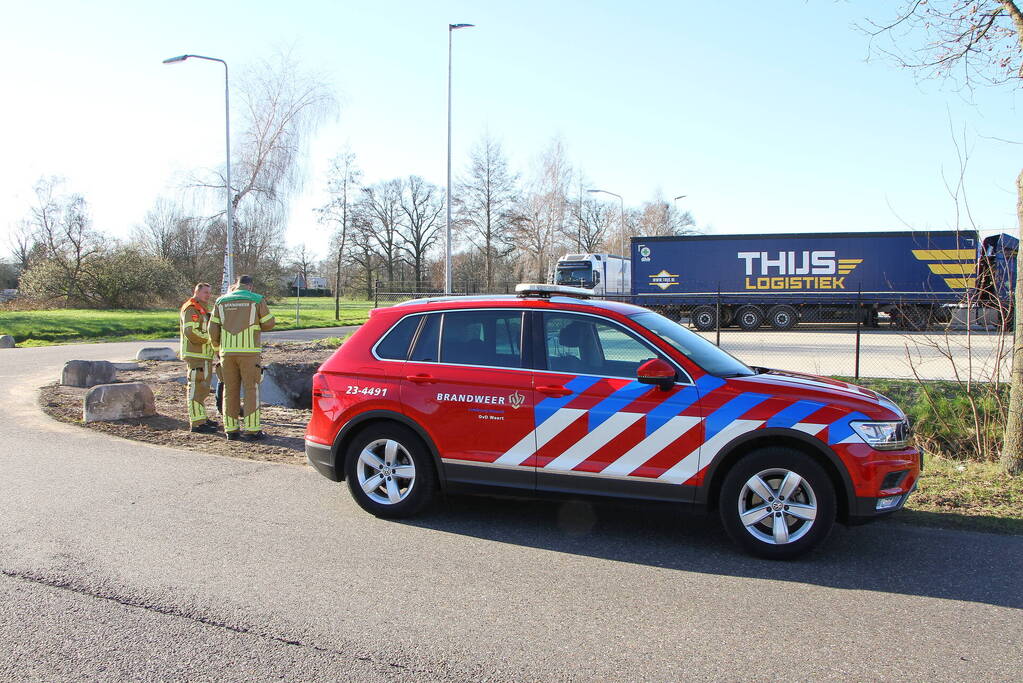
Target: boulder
(87,373)
(118,401)
(6,341)
(156,353)
(127,366)
(288,384)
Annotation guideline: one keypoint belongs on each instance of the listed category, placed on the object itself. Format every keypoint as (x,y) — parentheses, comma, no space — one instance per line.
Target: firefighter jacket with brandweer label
(195,338)
(238,318)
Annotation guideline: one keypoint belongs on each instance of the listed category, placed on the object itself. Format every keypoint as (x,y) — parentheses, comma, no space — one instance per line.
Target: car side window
(395,344)
(428,341)
(491,338)
(587,345)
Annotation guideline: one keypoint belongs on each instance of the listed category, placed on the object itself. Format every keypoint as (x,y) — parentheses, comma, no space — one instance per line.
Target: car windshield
(575,276)
(697,349)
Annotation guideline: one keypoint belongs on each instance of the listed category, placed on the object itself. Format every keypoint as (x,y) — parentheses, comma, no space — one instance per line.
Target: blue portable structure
(749,280)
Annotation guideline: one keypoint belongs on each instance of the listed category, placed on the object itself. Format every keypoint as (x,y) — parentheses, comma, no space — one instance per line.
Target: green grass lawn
(68,326)
(972,495)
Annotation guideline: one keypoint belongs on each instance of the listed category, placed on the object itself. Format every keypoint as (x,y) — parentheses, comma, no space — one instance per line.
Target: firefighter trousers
(241,373)
(200,377)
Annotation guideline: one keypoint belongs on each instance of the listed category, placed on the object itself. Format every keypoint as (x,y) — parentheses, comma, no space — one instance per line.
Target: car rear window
(395,344)
(488,338)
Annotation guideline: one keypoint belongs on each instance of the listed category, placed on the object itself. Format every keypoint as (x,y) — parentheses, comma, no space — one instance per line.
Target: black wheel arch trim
(349,427)
(713,476)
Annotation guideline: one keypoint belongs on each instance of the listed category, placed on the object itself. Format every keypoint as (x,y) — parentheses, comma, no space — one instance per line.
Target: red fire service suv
(550,392)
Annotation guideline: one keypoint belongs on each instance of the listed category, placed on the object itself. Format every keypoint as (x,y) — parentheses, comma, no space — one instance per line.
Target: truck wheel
(782,317)
(777,503)
(749,318)
(704,318)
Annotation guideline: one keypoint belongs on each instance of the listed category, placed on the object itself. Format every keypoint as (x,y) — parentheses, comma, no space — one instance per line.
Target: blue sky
(767,115)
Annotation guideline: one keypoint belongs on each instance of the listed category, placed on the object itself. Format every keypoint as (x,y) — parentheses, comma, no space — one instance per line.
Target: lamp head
(175,60)
(452,27)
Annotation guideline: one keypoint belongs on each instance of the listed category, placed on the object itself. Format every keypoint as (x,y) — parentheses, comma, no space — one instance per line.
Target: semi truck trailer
(915,278)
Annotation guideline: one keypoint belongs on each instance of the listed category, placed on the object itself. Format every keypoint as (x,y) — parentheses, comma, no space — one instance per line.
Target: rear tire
(782,317)
(704,318)
(777,503)
(389,471)
(749,318)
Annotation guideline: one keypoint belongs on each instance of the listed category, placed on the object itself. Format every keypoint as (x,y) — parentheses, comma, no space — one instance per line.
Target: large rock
(156,353)
(6,341)
(118,402)
(127,366)
(288,384)
(87,373)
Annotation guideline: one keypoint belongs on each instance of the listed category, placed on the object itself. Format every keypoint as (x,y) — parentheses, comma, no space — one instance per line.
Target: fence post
(717,315)
(376,294)
(859,323)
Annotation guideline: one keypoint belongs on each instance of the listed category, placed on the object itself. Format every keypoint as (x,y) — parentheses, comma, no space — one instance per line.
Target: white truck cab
(605,274)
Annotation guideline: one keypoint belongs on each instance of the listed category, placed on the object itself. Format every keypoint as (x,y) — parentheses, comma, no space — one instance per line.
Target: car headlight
(884,436)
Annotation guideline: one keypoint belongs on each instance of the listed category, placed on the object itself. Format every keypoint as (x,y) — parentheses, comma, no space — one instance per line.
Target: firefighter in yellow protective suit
(197,352)
(237,319)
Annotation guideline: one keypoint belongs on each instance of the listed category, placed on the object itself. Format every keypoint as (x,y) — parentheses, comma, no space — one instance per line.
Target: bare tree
(543,210)
(63,226)
(422,204)
(360,251)
(302,261)
(660,218)
(342,181)
(597,221)
(282,105)
(970,43)
(484,203)
(24,244)
(382,205)
(159,233)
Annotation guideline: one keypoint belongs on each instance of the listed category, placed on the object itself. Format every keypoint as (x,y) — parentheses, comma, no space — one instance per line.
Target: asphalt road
(122,561)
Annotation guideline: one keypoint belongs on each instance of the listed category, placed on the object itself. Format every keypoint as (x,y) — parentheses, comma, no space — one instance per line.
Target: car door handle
(421,378)
(554,390)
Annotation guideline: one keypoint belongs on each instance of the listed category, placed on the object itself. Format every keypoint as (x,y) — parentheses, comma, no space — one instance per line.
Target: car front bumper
(865,508)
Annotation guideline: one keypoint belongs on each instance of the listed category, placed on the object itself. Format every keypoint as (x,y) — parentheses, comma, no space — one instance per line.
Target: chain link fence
(915,341)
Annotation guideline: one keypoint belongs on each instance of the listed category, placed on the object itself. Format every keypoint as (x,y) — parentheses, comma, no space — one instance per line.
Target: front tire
(777,503)
(390,472)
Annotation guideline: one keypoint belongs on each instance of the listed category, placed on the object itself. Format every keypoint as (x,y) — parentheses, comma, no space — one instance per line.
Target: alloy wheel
(386,471)
(777,506)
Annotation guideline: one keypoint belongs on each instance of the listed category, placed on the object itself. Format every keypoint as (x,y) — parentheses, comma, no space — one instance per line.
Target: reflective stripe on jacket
(238,319)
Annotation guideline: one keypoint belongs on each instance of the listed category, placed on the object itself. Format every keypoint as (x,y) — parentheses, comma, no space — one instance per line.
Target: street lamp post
(622,236)
(681,196)
(228,275)
(447,240)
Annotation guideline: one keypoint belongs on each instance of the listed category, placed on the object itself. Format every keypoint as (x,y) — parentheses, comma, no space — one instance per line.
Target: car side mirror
(658,372)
